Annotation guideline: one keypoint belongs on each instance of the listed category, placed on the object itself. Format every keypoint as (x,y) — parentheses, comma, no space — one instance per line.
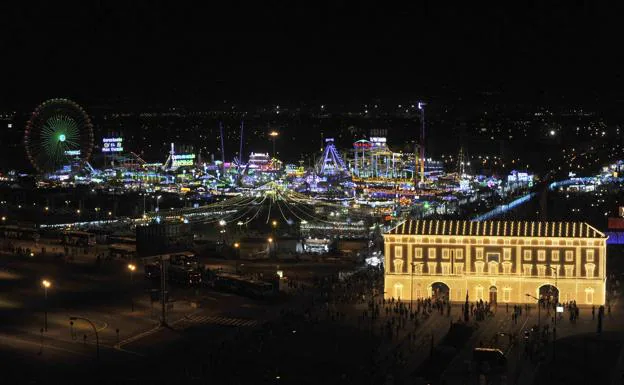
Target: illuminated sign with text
(362,144)
(112,144)
(378,141)
(183,160)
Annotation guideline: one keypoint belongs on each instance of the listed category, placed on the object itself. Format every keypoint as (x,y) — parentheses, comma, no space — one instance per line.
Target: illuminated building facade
(496,261)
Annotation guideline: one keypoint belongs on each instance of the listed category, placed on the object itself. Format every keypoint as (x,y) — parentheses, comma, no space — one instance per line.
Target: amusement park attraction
(370,178)
(59,134)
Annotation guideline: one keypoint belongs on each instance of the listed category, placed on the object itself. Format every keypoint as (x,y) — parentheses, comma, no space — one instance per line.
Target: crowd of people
(342,320)
(319,322)
(479,310)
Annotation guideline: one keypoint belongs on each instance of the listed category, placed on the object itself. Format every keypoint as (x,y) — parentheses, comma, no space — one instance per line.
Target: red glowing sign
(362,144)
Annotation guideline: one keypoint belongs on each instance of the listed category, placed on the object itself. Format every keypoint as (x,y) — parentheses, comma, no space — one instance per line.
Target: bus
(122,251)
(78,238)
(16,232)
(175,274)
(119,239)
(184,275)
(239,285)
(185,259)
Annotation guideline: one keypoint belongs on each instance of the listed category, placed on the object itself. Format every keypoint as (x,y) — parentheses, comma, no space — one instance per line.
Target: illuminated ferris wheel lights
(58,132)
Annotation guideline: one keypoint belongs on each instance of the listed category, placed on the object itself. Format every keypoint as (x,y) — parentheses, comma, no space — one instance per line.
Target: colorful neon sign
(183,160)
(112,144)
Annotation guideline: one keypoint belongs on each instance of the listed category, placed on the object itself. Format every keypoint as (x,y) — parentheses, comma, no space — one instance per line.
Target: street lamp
(157,204)
(46,285)
(274,223)
(556,271)
(539,312)
(97,338)
(270,240)
(132,268)
(273,135)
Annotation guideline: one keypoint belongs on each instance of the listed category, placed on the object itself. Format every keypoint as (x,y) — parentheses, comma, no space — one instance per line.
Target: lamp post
(274,224)
(538,309)
(222,223)
(556,271)
(414,264)
(273,135)
(46,285)
(97,338)
(132,268)
(157,203)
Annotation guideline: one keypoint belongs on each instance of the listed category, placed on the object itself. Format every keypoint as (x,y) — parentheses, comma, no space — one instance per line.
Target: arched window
(569,270)
(398,265)
(589,296)
(493,268)
(589,270)
(479,292)
(479,267)
(506,294)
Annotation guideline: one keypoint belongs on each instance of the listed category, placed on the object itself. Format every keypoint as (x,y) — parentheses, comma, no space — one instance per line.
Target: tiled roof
(497,228)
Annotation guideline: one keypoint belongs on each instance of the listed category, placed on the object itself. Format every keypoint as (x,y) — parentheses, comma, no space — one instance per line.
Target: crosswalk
(214,320)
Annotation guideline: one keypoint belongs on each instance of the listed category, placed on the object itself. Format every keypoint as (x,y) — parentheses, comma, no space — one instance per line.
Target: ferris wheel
(58,133)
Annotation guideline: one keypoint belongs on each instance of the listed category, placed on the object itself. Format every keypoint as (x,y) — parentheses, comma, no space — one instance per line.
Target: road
(207,339)
(105,294)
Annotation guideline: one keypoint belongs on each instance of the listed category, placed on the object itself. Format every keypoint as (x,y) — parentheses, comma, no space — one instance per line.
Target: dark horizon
(179,53)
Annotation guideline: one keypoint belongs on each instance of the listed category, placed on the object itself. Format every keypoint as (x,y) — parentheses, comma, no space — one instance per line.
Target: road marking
(90,330)
(217,320)
(136,337)
(103,327)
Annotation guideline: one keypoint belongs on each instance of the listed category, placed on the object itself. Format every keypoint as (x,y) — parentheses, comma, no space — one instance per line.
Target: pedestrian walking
(593,312)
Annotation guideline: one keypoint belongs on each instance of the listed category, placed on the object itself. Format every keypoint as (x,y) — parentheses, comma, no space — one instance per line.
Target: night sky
(98,50)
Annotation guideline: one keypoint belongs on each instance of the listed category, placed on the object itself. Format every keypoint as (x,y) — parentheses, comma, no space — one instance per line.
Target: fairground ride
(58,133)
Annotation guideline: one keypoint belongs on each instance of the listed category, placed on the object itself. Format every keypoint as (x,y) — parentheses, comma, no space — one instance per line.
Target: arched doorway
(493,295)
(548,293)
(440,291)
